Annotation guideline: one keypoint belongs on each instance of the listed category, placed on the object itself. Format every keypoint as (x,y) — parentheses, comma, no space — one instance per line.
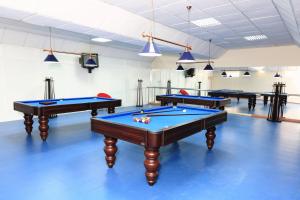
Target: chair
(103,95)
(183,92)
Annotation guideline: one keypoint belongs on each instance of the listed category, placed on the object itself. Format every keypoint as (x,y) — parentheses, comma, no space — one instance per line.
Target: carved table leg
(151,164)
(210,136)
(94,112)
(43,120)
(110,150)
(28,123)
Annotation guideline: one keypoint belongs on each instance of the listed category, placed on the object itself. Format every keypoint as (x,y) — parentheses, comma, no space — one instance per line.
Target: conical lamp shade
(180,68)
(246,73)
(277,75)
(208,67)
(224,73)
(186,57)
(90,63)
(150,49)
(50,58)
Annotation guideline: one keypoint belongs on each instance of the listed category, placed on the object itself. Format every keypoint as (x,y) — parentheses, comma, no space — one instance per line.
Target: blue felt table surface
(66,101)
(195,97)
(159,123)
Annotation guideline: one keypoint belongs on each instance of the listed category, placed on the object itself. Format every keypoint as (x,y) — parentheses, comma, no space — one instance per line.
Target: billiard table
(44,108)
(168,124)
(251,96)
(211,102)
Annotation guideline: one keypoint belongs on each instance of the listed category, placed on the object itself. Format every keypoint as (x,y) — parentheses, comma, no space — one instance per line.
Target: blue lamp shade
(180,68)
(50,58)
(90,63)
(150,49)
(208,67)
(246,73)
(186,57)
(277,75)
(224,73)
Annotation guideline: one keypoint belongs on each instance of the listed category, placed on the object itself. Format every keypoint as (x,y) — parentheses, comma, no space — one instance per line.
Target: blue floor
(291,110)
(252,159)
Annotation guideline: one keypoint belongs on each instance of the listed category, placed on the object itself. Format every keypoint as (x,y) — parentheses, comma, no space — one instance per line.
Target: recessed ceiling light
(255,37)
(207,22)
(102,40)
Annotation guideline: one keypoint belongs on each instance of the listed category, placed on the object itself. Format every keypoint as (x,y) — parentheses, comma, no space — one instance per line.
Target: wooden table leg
(210,137)
(43,120)
(110,150)
(249,103)
(265,100)
(253,103)
(151,164)
(94,113)
(28,123)
(111,110)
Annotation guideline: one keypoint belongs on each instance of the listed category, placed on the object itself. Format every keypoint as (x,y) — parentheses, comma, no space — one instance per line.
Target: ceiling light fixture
(180,68)
(208,67)
(207,22)
(255,37)
(186,56)
(150,49)
(247,73)
(101,40)
(277,75)
(50,57)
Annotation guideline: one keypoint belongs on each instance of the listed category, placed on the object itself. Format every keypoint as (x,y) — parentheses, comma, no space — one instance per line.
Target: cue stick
(138,113)
(161,115)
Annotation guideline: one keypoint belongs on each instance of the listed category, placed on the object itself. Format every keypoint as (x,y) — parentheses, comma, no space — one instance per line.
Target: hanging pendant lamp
(224,73)
(277,75)
(150,49)
(208,67)
(50,57)
(186,56)
(180,68)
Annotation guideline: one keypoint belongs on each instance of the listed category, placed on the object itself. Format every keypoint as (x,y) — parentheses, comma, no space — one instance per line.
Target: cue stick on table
(161,115)
(144,113)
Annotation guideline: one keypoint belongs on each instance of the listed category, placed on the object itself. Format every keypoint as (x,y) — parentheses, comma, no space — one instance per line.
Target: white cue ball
(184,110)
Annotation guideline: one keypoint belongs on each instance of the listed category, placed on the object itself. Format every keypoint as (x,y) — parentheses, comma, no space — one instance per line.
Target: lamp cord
(50,31)
(153,17)
(209,51)
(189,7)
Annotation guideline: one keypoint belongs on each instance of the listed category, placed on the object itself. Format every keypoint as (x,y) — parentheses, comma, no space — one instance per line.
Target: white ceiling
(239,18)
(125,20)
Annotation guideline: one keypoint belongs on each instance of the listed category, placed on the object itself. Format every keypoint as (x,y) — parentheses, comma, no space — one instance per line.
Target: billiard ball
(135,119)
(184,110)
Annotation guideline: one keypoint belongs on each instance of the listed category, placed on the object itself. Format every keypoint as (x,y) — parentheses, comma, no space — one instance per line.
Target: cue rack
(169,90)
(139,98)
(277,105)
(49,91)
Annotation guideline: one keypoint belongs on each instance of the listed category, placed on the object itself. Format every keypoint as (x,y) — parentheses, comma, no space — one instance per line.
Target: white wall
(22,74)
(260,82)
(268,56)
(164,69)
